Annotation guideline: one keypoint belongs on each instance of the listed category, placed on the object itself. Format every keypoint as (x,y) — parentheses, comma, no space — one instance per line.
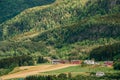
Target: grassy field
(75,70)
(47,69)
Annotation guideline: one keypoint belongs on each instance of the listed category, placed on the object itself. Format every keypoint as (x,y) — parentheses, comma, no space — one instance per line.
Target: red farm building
(108,63)
(76,62)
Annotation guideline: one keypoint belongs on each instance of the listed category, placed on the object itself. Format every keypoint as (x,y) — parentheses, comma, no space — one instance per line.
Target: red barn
(108,63)
(62,62)
(75,62)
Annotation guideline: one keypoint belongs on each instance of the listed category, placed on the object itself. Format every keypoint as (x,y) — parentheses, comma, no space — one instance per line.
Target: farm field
(49,69)
(21,72)
(76,70)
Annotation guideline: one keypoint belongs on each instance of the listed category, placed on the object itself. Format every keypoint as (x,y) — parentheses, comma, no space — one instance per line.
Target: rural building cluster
(89,62)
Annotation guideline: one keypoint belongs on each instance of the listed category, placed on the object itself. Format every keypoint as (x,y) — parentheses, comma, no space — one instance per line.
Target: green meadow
(86,70)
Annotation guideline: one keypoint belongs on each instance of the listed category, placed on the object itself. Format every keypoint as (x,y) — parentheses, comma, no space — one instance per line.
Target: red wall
(75,62)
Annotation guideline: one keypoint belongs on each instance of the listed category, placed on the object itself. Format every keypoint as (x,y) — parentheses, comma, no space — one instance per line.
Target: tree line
(24,60)
(8,64)
(106,52)
(68,76)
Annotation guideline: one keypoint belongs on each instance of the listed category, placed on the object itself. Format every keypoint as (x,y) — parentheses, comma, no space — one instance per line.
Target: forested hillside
(10,8)
(9,49)
(63,29)
(88,29)
(61,13)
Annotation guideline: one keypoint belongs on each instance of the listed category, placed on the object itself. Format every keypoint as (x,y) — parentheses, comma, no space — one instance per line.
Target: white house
(97,63)
(100,74)
(89,62)
(55,61)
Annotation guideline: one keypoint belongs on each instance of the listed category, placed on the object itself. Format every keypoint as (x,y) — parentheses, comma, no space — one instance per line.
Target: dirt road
(32,70)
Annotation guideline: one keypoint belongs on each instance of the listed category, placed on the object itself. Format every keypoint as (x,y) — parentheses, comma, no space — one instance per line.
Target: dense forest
(11,49)
(8,64)
(61,13)
(60,29)
(11,8)
(84,30)
(107,52)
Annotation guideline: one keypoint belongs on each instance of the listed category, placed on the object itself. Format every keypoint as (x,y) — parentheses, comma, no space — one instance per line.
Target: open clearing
(32,70)
(85,69)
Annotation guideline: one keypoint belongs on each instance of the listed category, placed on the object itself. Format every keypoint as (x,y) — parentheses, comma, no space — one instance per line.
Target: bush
(117,65)
(62,75)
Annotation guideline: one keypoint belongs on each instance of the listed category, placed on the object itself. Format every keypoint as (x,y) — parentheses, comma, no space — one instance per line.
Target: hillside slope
(107,26)
(61,13)
(65,29)
(76,39)
(83,36)
(10,8)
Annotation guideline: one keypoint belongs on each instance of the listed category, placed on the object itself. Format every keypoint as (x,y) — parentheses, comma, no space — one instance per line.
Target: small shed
(100,74)
(89,62)
(55,61)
